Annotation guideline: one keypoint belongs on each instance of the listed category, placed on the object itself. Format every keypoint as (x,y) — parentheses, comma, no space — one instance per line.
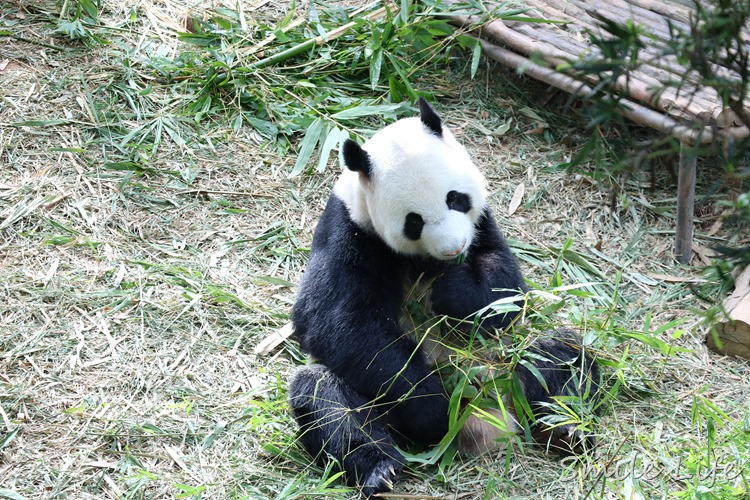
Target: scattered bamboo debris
(273,340)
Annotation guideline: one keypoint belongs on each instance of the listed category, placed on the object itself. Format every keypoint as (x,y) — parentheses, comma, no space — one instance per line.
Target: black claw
(381,478)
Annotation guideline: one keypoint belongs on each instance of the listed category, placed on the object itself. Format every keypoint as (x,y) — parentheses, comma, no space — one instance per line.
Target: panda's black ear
(356,159)
(430,118)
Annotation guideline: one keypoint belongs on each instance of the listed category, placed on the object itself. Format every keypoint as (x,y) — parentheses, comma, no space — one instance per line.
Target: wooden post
(685,201)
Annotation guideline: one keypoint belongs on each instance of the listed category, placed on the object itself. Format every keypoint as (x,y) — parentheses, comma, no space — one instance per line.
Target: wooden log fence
(690,112)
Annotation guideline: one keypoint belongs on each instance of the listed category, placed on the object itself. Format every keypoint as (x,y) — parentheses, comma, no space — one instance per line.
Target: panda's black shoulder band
(356,158)
(430,118)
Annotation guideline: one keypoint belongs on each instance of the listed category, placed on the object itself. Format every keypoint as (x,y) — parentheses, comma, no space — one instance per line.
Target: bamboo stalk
(558,38)
(519,41)
(568,9)
(35,42)
(671,10)
(702,102)
(592,24)
(584,15)
(642,13)
(662,33)
(544,10)
(271,38)
(669,63)
(636,13)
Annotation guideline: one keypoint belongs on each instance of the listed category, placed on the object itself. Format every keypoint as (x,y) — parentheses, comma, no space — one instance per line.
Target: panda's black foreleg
(399,381)
(337,422)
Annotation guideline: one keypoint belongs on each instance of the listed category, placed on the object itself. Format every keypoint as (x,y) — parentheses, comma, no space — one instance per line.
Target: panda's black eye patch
(413,226)
(459,202)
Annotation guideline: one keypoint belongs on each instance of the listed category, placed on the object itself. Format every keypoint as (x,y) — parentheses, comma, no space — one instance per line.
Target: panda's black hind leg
(337,422)
(568,370)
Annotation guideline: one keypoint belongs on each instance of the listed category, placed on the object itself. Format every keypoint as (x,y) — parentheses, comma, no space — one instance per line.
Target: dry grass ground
(142,258)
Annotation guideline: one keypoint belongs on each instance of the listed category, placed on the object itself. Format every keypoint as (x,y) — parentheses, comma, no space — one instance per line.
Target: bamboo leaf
(59,240)
(276,281)
(90,8)
(404,11)
(332,139)
(515,202)
(25,207)
(502,129)
(129,166)
(476,53)
(393,87)
(307,146)
(11,495)
(580,261)
(404,77)
(431,456)
(7,438)
(172,131)
(40,123)
(367,110)
(535,372)
(376,64)
(67,150)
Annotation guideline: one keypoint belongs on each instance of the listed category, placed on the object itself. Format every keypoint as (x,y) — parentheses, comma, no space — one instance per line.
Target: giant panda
(409,202)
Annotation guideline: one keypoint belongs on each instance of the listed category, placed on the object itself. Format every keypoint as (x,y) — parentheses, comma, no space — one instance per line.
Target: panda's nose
(455,251)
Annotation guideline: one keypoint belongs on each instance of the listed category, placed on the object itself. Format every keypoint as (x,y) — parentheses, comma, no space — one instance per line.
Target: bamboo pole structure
(634,111)
(691,113)
(671,11)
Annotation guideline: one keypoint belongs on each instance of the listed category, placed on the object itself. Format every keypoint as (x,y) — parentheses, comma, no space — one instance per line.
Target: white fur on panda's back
(413,170)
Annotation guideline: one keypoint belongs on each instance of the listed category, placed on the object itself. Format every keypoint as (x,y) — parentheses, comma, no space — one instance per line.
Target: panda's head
(415,186)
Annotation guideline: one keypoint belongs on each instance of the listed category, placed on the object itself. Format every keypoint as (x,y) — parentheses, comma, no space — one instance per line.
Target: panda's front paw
(458,295)
(381,478)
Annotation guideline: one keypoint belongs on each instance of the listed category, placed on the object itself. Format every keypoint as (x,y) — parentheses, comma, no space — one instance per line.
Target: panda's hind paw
(565,440)
(381,478)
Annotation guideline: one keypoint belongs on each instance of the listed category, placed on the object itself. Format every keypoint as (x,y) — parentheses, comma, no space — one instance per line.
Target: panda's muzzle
(455,251)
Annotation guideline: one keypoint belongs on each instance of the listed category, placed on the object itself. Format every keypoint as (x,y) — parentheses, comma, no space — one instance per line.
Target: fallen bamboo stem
(270,39)
(297,22)
(318,40)
(646,16)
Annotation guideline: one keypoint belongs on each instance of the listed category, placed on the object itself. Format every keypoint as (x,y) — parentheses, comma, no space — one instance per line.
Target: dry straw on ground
(130,306)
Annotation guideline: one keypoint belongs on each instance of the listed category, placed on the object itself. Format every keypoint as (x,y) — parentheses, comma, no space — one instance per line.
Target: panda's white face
(419,190)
